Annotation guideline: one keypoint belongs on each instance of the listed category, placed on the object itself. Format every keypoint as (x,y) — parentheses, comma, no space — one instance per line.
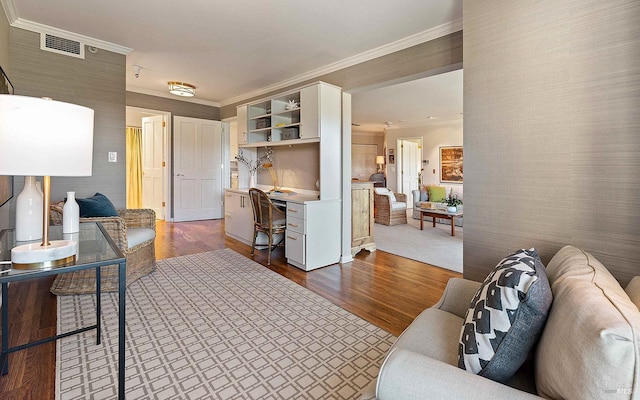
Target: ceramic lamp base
(35,256)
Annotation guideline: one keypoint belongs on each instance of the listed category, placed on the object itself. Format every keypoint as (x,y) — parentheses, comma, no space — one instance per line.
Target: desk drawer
(296,210)
(295,224)
(294,248)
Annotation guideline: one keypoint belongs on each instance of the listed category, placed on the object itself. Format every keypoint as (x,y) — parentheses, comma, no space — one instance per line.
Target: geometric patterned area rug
(217,325)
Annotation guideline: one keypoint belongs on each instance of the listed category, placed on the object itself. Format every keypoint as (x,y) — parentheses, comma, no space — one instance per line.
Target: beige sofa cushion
(633,291)
(589,347)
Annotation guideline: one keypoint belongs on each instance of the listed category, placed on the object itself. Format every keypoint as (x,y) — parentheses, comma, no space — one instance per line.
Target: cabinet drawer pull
(292,238)
(294,225)
(293,210)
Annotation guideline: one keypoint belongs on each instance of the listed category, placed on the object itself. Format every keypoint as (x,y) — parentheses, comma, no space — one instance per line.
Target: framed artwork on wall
(6,182)
(451,164)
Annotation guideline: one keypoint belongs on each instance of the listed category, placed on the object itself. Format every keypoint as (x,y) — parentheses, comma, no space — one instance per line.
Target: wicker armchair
(134,233)
(390,207)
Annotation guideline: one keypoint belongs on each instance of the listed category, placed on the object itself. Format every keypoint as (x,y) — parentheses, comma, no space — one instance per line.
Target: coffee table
(444,214)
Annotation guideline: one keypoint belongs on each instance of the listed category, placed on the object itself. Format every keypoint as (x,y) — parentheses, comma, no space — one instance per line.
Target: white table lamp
(43,137)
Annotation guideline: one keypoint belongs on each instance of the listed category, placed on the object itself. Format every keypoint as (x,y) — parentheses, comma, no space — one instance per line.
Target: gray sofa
(588,349)
(418,196)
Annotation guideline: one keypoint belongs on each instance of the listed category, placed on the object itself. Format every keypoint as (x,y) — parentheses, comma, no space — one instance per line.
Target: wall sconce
(182,89)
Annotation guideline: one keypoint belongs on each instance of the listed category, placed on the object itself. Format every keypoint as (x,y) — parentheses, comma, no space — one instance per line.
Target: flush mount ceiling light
(182,89)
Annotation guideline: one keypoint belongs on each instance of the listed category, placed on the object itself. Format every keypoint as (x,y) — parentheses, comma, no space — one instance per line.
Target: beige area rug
(217,325)
(433,246)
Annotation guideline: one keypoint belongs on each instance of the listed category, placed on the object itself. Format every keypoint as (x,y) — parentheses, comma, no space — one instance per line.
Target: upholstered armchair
(390,207)
(133,231)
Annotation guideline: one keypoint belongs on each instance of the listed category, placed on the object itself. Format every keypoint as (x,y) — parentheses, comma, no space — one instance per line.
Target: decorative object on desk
(29,212)
(380,162)
(254,166)
(420,177)
(43,137)
(71,214)
(451,164)
(452,201)
(291,105)
(274,178)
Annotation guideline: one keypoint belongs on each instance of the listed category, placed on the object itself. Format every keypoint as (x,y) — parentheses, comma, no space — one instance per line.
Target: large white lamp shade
(43,137)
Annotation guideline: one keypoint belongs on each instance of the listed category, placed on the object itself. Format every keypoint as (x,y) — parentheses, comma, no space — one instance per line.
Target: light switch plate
(113,156)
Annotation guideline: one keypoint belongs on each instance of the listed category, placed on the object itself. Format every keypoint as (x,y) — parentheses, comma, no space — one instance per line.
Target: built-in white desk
(313,235)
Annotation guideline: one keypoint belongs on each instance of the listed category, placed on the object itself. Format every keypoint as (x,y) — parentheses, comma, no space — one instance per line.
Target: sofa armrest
(139,218)
(457,296)
(406,375)
(415,194)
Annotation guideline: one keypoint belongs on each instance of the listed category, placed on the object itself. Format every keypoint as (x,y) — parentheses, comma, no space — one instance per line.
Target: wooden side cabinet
(362,220)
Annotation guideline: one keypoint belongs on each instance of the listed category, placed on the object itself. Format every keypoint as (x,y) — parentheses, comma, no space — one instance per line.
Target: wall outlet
(113,156)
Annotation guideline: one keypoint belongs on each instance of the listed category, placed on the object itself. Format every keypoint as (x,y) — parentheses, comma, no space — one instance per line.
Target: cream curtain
(134,167)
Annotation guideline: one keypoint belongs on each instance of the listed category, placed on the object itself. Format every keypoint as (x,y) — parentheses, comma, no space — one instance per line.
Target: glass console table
(96,249)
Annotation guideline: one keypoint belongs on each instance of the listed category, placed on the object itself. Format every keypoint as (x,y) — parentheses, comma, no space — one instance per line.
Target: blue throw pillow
(97,206)
(506,317)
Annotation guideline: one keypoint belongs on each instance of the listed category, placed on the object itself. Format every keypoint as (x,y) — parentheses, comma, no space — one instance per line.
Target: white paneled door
(153,164)
(197,172)
(409,160)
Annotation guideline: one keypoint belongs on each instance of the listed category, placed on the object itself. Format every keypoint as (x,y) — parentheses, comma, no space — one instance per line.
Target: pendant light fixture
(182,89)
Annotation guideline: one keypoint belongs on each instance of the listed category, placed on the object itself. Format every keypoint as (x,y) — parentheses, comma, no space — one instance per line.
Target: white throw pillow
(589,348)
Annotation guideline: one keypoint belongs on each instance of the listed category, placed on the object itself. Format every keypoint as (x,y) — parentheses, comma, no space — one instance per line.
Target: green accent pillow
(437,194)
(96,206)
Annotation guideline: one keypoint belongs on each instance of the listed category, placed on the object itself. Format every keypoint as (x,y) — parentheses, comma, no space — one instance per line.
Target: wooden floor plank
(384,289)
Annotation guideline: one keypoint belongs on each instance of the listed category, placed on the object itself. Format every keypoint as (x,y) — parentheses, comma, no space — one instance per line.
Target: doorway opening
(409,161)
(148,161)
(416,117)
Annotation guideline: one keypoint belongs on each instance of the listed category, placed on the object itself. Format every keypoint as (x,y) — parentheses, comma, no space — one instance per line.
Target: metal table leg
(4,355)
(122,287)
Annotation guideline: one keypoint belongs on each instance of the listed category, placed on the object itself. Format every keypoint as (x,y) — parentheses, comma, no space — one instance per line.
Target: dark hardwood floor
(384,289)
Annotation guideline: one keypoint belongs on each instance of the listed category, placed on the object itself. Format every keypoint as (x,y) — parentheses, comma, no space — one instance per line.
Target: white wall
(433,137)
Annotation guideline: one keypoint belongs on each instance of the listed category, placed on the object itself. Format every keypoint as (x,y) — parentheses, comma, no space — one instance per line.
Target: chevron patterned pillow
(505,317)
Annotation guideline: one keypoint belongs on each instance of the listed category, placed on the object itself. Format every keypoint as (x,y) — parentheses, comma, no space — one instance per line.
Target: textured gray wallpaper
(97,82)
(551,131)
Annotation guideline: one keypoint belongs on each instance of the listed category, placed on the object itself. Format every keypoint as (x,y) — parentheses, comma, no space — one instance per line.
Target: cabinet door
(242,125)
(294,248)
(238,216)
(361,215)
(309,110)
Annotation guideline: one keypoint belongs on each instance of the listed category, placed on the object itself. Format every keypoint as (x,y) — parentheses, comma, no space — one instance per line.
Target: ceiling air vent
(60,45)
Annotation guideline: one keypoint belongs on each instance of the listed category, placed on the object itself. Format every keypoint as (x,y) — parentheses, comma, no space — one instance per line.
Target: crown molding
(167,95)
(86,40)
(410,41)
(10,10)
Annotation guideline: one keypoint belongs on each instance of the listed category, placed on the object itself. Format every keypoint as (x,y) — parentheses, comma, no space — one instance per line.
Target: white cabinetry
(238,216)
(315,118)
(242,124)
(313,234)
(298,116)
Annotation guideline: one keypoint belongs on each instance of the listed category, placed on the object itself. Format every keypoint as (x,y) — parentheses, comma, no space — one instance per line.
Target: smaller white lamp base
(36,256)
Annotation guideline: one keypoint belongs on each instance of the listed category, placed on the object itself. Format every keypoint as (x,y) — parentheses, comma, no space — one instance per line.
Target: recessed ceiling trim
(410,41)
(89,41)
(166,95)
